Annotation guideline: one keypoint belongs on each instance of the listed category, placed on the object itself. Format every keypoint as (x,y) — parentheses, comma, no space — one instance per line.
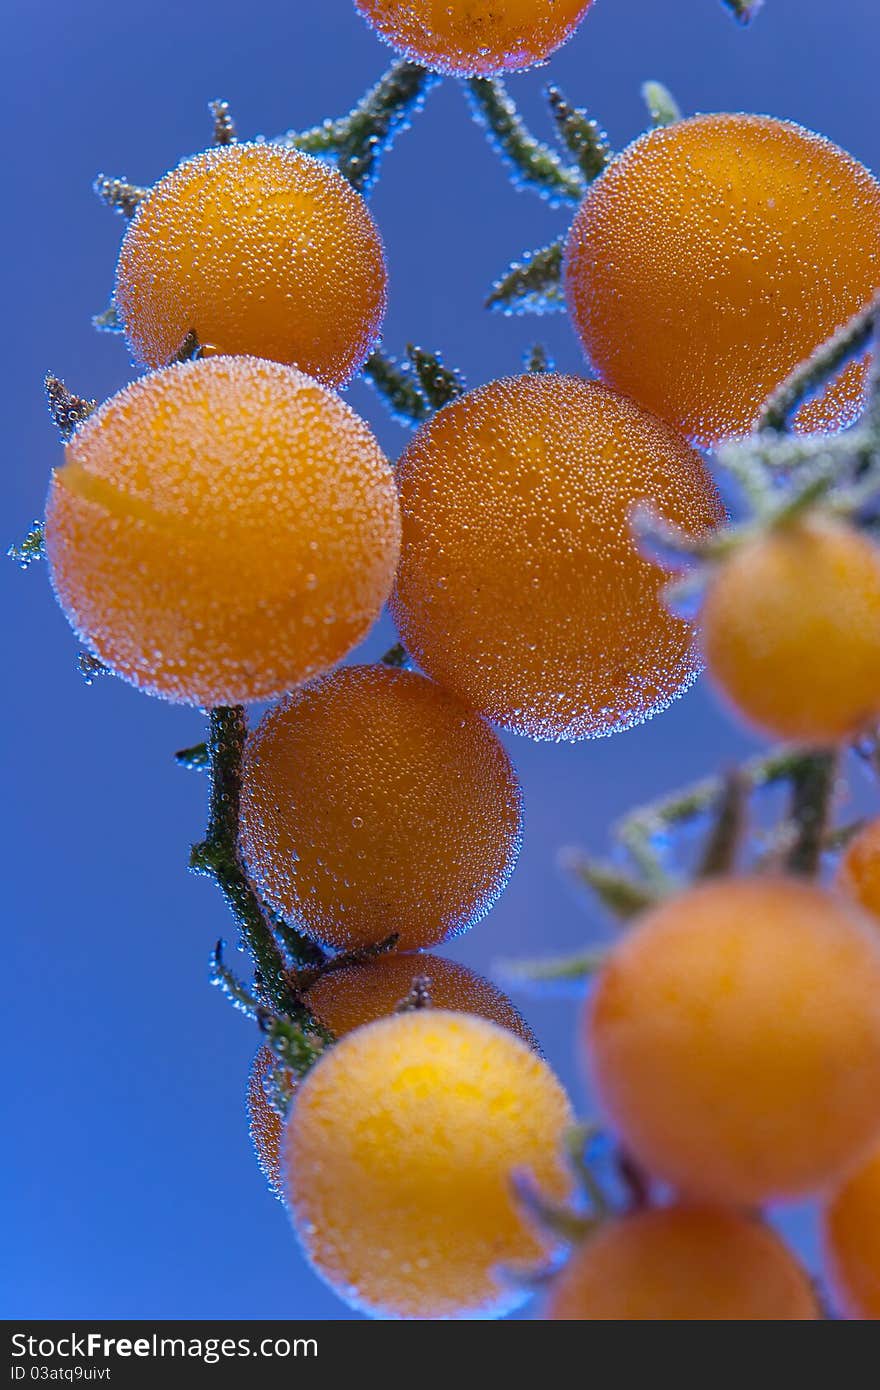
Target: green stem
(812,792)
(720,851)
(624,896)
(553,970)
(662,107)
(534,164)
(531,285)
(640,828)
(810,376)
(360,139)
(582,137)
(120,195)
(218,857)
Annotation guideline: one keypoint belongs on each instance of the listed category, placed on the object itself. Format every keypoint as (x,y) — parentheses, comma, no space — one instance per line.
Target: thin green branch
(439,385)
(531,285)
(743,10)
(120,195)
(662,107)
(296,1048)
(32,548)
(582,137)
(397,656)
(398,387)
(360,139)
(576,1142)
(552,970)
(809,377)
(67,410)
(638,830)
(538,360)
(728,829)
(224,125)
(560,1221)
(91,667)
(533,164)
(218,857)
(229,985)
(812,792)
(108,321)
(623,896)
(195,759)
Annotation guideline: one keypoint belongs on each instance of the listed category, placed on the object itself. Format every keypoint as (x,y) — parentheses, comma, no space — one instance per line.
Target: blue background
(129,1187)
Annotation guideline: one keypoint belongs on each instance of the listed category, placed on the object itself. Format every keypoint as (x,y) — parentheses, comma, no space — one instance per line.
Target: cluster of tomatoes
(225,530)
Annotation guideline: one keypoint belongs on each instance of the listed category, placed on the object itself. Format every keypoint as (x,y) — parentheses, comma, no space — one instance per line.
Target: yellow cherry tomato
(791,631)
(734,1039)
(475,37)
(521,587)
(851,1242)
(398,1155)
(345,999)
(260,250)
(374,803)
(222,530)
(682,1264)
(715,255)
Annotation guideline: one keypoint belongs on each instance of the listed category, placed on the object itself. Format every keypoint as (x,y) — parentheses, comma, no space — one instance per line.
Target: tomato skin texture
(470,38)
(265,1126)
(858,873)
(851,1243)
(345,999)
(791,631)
(374,803)
(399,1189)
(222,530)
(715,255)
(263,252)
(521,587)
(682,1264)
(733,1040)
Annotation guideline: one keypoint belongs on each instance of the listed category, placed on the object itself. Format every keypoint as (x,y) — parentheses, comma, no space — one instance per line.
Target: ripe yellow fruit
(475,37)
(260,250)
(791,631)
(851,1242)
(682,1264)
(374,803)
(715,255)
(734,1039)
(346,999)
(222,530)
(521,587)
(398,1155)
(858,873)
